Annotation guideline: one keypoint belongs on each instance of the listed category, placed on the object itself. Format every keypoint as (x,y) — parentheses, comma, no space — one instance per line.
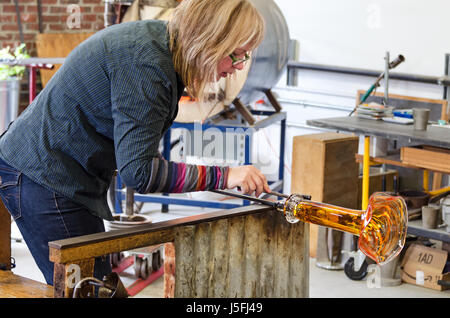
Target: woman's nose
(239,66)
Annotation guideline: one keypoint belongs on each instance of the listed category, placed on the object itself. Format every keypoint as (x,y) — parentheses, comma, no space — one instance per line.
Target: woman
(107,108)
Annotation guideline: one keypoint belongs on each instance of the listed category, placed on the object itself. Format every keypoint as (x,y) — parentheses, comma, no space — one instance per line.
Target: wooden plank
(393,160)
(244,111)
(155,227)
(99,244)
(235,266)
(299,261)
(169,270)
(427,157)
(276,105)
(202,250)
(184,262)
(283,243)
(14,286)
(100,248)
(218,259)
(5,237)
(251,255)
(267,256)
(66,276)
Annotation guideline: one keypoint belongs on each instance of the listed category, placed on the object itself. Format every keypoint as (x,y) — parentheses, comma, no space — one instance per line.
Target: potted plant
(10,76)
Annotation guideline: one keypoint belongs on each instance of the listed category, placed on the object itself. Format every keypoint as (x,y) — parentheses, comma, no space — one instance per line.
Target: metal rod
(246,197)
(439,80)
(278,194)
(386,79)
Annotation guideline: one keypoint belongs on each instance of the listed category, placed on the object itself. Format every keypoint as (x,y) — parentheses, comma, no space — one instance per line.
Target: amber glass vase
(381,228)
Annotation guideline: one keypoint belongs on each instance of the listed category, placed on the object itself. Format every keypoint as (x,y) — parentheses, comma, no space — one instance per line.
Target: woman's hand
(249,179)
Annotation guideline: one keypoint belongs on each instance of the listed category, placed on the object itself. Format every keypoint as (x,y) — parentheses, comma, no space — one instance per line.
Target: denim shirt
(106,108)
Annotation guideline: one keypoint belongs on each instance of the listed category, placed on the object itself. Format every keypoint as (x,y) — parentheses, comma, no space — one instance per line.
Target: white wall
(357,34)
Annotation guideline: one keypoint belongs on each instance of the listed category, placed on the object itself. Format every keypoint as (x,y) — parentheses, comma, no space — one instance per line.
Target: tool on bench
(390,66)
(381,228)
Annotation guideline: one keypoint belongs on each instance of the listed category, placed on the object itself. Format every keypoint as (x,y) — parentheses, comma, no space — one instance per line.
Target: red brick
(33,9)
(28,37)
(10,43)
(55,27)
(44,2)
(6,37)
(89,17)
(12,8)
(29,18)
(57,9)
(32,26)
(7,18)
(92,1)
(9,27)
(51,18)
(98,9)
(65,2)
(86,26)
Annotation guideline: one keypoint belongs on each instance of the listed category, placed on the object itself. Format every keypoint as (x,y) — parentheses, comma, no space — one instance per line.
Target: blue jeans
(43,216)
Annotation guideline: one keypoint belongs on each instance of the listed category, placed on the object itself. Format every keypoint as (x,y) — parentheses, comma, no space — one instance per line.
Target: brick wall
(55,14)
(54,19)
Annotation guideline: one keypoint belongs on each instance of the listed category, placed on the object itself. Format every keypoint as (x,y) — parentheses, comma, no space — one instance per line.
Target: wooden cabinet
(323,166)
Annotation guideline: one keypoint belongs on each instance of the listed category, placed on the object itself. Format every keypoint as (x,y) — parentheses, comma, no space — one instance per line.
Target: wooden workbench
(246,252)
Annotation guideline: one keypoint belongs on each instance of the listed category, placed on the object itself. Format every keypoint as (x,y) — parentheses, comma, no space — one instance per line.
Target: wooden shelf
(393,160)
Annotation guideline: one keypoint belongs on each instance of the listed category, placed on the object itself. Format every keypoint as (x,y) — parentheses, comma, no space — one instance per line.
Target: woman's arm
(141,97)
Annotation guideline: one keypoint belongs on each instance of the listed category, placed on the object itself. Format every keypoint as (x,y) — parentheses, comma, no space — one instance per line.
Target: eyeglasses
(236,61)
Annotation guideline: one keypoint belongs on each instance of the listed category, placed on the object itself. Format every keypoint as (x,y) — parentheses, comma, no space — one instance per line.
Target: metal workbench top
(433,136)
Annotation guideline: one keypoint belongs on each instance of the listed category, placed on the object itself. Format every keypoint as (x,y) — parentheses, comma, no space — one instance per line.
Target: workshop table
(433,136)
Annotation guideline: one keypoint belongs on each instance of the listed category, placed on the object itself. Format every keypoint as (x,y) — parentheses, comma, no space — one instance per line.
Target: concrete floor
(323,283)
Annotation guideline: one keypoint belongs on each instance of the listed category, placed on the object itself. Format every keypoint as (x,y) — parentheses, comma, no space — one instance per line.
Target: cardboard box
(423,266)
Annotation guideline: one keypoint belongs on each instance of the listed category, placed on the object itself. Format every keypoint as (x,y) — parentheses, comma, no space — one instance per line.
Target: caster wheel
(349,269)
(145,272)
(137,266)
(116,258)
(156,261)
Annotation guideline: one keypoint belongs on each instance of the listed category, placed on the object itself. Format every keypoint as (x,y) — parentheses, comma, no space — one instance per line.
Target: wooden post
(5,237)
(273,101)
(244,111)
(66,276)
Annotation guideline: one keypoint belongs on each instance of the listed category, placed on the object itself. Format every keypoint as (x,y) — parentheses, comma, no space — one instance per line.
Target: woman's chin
(222,75)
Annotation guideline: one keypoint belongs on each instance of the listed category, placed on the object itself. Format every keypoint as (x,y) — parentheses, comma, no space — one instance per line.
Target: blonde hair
(204,32)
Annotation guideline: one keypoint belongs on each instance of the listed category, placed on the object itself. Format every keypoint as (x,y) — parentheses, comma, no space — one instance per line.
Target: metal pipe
(439,80)
(446,71)
(386,79)
(312,104)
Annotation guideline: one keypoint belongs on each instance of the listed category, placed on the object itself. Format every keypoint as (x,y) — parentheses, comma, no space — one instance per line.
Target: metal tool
(390,65)
(274,204)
